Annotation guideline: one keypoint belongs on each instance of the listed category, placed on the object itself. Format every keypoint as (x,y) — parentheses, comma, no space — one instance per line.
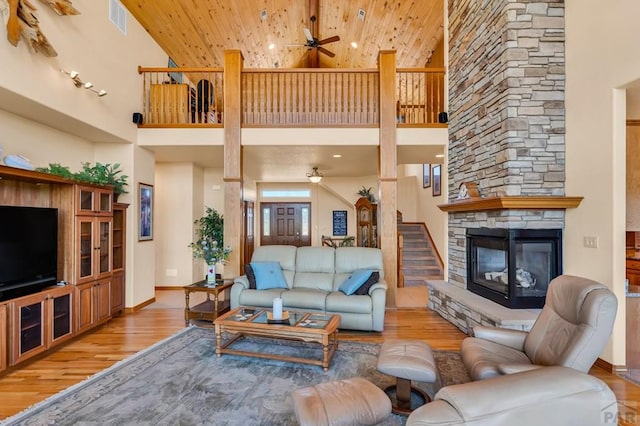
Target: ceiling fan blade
(329,40)
(308,35)
(326,52)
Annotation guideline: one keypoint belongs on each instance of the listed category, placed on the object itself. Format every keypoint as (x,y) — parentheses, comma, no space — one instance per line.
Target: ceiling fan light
(88,85)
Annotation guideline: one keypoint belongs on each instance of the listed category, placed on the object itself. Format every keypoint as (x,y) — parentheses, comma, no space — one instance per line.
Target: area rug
(181,381)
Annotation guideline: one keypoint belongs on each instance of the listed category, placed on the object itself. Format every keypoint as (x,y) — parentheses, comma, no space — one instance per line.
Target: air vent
(361,14)
(118,15)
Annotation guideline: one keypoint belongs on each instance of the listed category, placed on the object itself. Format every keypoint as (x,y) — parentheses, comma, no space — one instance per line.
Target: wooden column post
(233,229)
(388,173)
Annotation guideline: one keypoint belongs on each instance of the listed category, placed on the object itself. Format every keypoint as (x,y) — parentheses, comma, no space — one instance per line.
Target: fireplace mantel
(511,203)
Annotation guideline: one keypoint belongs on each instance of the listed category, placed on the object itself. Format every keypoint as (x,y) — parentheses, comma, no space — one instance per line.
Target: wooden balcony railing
(419,95)
(180,97)
(192,97)
(300,97)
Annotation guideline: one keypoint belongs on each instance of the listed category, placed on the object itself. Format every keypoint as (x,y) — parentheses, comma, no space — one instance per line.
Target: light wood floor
(123,336)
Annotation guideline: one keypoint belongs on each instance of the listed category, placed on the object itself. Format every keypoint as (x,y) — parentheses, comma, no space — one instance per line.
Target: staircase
(419,258)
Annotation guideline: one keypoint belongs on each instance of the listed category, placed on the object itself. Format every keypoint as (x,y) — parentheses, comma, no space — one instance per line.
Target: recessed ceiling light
(439,155)
(354,44)
(272,46)
(337,155)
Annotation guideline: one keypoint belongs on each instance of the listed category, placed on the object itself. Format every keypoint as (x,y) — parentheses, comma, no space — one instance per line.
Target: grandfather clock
(366,223)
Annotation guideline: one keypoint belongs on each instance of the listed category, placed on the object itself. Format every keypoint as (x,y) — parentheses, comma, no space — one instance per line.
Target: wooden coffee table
(304,326)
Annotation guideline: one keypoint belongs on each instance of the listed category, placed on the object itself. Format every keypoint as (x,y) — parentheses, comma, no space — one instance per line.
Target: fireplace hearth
(513,267)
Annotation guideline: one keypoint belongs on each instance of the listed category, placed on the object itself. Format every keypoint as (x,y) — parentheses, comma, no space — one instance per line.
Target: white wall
(595,143)
(42,144)
(174,216)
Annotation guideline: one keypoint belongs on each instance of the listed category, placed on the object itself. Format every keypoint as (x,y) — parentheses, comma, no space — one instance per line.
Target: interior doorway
(285,224)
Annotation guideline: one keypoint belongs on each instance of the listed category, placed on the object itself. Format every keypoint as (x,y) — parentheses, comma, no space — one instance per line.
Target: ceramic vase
(211,273)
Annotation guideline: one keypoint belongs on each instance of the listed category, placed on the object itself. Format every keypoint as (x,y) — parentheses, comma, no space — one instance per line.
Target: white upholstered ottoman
(407,360)
(354,401)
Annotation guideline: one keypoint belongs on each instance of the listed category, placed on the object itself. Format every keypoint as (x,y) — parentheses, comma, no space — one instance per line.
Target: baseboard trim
(140,306)
(169,287)
(610,368)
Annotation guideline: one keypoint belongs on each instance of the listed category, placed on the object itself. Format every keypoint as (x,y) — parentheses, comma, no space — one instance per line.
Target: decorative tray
(284,320)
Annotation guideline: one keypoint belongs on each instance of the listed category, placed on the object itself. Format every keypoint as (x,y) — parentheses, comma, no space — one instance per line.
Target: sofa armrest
(517,368)
(378,293)
(504,336)
(240,284)
(377,286)
(242,280)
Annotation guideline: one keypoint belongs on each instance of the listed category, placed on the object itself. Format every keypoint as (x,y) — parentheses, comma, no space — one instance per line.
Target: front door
(285,223)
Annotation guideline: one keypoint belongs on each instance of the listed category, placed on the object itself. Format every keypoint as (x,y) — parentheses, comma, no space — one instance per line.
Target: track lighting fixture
(75,77)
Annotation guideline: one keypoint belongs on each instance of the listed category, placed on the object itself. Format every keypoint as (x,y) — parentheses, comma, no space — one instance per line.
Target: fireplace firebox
(513,267)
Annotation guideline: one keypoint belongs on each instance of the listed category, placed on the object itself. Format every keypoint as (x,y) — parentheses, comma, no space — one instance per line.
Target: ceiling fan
(314,43)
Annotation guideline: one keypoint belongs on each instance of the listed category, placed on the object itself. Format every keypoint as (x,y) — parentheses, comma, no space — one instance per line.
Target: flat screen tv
(28,250)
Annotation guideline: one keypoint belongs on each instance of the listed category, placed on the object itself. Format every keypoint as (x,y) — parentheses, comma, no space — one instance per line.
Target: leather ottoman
(407,360)
(354,401)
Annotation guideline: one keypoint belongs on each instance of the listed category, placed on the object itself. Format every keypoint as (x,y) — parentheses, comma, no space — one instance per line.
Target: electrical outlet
(591,242)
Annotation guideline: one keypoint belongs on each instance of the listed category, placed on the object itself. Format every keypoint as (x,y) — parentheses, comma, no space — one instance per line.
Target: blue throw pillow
(357,278)
(268,275)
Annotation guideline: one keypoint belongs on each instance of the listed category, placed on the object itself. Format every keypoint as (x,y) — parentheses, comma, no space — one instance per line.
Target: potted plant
(209,244)
(104,174)
(366,193)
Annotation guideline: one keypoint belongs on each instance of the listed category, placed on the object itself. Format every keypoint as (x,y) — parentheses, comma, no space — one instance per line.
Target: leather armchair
(546,396)
(571,330)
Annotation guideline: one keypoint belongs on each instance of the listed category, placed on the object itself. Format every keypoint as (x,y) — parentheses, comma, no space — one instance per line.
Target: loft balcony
(301,97)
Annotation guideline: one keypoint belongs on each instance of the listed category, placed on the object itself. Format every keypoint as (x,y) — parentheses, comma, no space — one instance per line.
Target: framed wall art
(426,175)
(435,175)
(145,225)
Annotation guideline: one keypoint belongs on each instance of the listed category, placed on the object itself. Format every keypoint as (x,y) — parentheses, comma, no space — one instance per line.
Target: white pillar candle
(277,308)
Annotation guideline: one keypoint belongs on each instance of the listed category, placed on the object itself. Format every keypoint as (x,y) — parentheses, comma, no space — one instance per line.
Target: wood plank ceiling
(195,33)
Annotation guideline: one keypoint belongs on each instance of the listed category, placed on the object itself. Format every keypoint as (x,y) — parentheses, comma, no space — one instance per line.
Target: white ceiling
(291,163)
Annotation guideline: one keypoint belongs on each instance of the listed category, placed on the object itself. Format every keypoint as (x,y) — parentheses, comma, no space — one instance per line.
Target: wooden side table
(210,308)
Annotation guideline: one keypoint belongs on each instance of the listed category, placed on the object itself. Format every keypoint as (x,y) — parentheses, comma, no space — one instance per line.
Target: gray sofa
(313,276)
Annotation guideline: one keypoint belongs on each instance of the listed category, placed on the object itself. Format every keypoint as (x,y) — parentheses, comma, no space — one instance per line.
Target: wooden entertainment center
(91,260)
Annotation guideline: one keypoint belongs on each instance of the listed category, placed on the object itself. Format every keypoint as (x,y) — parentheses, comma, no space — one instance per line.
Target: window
(286,193)
(266,221)
(304,221)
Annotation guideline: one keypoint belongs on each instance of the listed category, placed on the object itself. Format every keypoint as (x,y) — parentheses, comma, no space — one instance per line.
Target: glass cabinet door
(86,248)
(86,200)
(31,326)
(61,316)
(104,246)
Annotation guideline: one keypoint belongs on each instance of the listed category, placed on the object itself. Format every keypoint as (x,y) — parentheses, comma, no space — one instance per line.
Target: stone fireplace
(506,134)
(507,118)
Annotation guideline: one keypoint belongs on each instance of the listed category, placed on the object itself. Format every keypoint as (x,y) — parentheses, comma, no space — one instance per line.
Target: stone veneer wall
(506,109)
